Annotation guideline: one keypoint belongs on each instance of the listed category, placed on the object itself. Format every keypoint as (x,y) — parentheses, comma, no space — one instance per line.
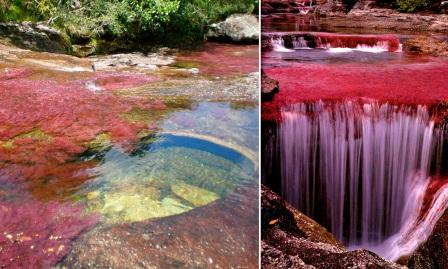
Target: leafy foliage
(412,5)
(28,10)
(88,20)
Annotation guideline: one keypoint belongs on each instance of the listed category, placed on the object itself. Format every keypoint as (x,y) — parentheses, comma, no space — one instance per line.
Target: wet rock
(142,61)
(433,254)
(195,195)
(119,207)
(36,235)
(223,234)
(272,258)
(276,212)
(34,36)
(134,203)
(292,240)
(102,141)
(269,87)
(174,206)
(240,28)
(427,45)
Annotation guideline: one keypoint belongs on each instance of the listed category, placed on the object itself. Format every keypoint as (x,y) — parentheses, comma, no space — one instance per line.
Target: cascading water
(278,44)
(363,169)
(288,42)
(299,42)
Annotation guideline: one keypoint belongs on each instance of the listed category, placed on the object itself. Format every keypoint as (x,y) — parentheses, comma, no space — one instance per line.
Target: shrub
(412,5)
(161,21)
(19,10)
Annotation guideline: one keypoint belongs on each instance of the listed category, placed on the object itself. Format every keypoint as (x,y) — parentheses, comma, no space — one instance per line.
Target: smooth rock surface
(34,36)
(239,28)
(217,235)
(140,61)
(195,195)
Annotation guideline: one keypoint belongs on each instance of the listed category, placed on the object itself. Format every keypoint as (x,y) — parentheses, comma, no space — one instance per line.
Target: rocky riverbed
(87,147)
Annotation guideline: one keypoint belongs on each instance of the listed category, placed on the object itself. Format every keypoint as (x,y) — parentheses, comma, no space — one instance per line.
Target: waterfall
(360,168)
(299,42)
(334,42)
(278,44)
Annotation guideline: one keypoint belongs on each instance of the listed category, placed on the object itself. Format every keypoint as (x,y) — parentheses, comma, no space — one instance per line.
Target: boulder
(292,240)
(34,36)
(238,28)
(83,50)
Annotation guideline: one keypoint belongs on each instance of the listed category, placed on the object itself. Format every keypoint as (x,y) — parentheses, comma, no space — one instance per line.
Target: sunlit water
(170,174)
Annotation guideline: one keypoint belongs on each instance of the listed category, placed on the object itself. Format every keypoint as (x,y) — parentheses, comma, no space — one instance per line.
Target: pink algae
(410,83)
(37,235)
(113,80)
(223,59)
(67,115)
(352,41)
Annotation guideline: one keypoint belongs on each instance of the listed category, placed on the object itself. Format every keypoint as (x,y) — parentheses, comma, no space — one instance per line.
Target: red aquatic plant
(409,83)
(352,41)
(223,59)
(114,80)
(36,235)
(44,124)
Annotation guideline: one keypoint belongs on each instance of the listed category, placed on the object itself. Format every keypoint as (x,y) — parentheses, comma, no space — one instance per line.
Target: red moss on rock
(223,59)
(412,83)
(352,41)
(44,124)
(113,80)
(36,235)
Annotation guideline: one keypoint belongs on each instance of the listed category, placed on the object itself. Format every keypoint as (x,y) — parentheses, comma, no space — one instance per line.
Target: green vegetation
(412,5)
(402,5)
(26,10)
(160,21)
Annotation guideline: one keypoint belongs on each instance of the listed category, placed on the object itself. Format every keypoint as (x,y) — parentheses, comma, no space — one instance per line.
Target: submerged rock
(223,234)
(135,203)
(292,240)
(236,28)
(34,36)
(195,195)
